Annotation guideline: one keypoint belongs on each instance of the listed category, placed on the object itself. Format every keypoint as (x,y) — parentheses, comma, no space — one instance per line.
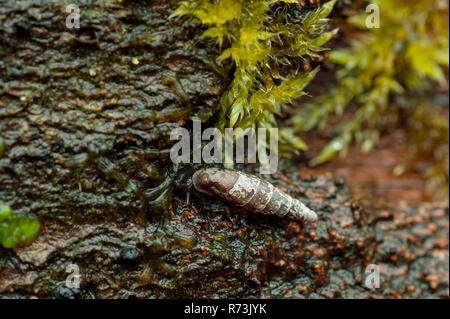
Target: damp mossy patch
(263,45)
(16,230)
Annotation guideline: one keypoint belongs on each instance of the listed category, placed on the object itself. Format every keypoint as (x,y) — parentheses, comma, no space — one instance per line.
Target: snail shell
(251,193)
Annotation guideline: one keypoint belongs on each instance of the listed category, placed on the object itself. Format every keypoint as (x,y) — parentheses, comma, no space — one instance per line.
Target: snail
(250,192)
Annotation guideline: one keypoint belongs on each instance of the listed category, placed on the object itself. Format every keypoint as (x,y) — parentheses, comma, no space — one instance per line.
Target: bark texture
(121,83)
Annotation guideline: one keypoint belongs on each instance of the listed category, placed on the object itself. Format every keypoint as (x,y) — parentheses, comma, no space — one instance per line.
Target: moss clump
(401,59)
(258,39)
(16,230)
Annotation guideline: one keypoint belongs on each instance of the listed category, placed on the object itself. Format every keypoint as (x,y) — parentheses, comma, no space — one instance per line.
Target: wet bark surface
(121,83)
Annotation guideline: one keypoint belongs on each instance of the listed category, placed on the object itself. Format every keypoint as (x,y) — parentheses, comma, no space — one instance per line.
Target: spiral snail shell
(251,193)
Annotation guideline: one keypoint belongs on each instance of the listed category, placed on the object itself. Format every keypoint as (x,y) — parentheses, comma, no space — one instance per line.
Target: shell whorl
(251,192)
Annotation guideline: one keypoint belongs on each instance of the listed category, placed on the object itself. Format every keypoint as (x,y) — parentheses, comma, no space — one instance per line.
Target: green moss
(2,147)
(257,39)
(16,230)
(402,58)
